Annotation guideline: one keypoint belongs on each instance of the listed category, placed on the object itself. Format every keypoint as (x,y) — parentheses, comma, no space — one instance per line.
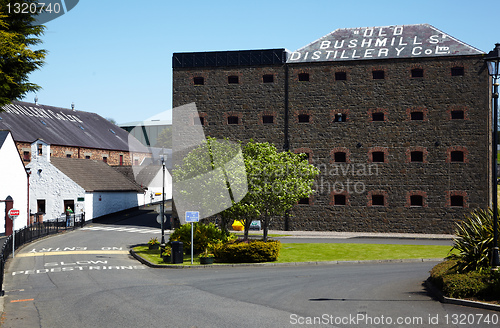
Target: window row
(456,154)
(377,74)
(379,199)
(374,115)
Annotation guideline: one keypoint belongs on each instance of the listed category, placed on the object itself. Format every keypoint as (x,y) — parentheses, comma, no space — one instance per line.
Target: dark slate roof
(3,137)
(229,58)
(384,42)
(65,127)
(93,175)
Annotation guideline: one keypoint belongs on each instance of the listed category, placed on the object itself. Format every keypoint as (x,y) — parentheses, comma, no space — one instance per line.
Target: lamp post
(162,244)
(493,61)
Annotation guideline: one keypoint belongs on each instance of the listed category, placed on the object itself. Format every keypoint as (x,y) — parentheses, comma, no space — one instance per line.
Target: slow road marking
(89,252)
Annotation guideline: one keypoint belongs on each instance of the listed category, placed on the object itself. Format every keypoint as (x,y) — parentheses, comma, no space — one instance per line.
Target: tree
(18,33)
(214,180)
(211,179)
(276,180)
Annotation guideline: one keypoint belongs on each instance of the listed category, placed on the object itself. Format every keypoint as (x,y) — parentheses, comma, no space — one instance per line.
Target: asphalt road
(86,278)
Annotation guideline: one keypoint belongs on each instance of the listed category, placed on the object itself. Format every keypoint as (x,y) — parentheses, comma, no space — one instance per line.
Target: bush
(248,252)
(474,241)
(481,285)
(203,235)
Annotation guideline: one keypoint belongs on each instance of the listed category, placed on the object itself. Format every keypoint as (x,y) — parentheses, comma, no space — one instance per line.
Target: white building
(84,185)
(13,185)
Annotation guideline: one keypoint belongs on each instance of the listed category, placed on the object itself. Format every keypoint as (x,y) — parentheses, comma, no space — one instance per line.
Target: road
(86,278)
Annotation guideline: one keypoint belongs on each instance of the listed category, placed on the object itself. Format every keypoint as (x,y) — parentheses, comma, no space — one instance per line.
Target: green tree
(276,180)
(18,34)
(211,179)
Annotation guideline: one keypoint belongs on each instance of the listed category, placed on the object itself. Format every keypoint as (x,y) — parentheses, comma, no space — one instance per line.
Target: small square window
(378,157)
(378,117)
(232,120)
(340,117)
(304,77)
(68,155)
(457,156)
(416,200)
(339,200)
(378,200)
(304,118)
(304,201)
(378,75)
(456,201)
(105,159)
(457,71)
(340,157)
(198,80)
(268,78)
(417,116)
(416,156)
(267,119)
(233,79)
(457,115)
(340,76)
(26,156)
(87,156)
(417,72)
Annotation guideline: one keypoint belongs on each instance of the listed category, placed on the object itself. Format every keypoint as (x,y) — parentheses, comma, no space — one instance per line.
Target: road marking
(96,252)
(122,229)
(26,300)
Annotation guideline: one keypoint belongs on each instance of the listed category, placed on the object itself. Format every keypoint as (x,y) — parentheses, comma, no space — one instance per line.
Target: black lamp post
(493,61)
(162,214)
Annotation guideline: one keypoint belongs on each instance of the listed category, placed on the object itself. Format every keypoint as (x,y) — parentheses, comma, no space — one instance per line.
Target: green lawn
(330,252)
(357,252)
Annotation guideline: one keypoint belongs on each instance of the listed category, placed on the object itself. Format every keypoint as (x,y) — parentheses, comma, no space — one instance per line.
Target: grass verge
(311,252)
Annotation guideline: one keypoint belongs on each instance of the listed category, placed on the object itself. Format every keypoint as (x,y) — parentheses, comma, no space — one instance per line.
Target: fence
(35,231)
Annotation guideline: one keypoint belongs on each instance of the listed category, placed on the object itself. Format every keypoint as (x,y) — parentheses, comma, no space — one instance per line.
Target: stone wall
(419,169)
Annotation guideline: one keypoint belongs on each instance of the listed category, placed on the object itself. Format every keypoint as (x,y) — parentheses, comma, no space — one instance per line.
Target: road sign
(192,216)
(13,214)
(158,218)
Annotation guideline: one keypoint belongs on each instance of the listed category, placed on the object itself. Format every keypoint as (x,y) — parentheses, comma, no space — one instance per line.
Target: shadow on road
(142,217)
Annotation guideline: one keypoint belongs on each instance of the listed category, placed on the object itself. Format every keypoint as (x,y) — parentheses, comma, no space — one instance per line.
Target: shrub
(474,241)
(203,235)
(481,285)
(248,252)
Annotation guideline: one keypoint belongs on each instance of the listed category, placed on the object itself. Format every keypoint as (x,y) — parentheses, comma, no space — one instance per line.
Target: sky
(114,57)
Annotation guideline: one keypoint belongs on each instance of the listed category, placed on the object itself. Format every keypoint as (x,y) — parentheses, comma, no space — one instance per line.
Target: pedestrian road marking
(95,252)
(120,229)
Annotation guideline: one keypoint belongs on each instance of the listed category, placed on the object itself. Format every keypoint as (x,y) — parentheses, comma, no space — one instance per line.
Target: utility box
(177,252)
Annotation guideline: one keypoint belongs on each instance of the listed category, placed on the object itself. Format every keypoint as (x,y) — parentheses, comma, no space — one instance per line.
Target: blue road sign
(192,216)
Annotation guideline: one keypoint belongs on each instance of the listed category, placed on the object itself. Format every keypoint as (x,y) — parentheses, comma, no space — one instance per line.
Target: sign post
(192,216)
(13,214)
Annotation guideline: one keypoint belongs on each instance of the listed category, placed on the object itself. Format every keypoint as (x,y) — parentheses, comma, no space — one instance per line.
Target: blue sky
(114,57)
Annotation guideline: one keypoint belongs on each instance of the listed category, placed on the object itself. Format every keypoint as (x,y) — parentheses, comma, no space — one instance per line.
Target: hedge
(480,285)
(247,252)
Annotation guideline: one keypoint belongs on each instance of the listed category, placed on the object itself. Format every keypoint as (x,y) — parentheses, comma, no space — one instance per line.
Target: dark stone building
(397,118)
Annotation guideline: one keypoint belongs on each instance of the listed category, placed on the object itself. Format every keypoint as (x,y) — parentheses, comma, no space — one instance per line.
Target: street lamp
(493,61)
(162,214)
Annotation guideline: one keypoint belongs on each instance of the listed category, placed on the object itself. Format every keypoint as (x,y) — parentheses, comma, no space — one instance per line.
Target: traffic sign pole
(13,214)
(192,216)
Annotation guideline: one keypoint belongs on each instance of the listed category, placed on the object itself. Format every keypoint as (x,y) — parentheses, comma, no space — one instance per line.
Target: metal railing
(35,231)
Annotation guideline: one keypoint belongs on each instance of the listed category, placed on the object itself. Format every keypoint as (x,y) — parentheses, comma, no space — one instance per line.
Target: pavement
(347,235)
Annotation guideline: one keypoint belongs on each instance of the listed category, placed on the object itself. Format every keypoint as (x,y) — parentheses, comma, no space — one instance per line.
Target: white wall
(156,186)
(14,183)
(107,202)
(51,185)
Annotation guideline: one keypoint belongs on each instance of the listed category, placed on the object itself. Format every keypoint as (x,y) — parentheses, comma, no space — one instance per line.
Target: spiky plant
(474,241)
